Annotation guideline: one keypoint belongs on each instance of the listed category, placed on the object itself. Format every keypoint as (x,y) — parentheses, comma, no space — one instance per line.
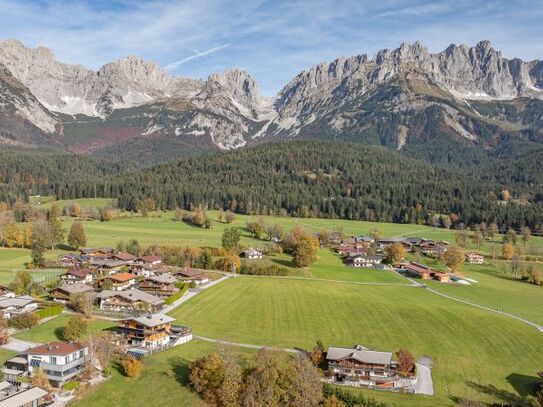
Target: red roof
(419,268)
(122,277)
(124,256)
(55,348)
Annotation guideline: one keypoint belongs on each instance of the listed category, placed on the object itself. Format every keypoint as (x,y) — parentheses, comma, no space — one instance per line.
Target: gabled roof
(153,320)
(108,263)
(165,278)
(21,301)
(188,272)
(365,257)
(360,354)
(81,273)
(75,288)
(132,295)
(55,348)
(87,250)
(150,259)
(124,256)
(420,268)
(122,277)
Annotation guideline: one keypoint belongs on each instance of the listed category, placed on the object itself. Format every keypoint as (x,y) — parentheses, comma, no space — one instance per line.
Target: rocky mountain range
(402,98)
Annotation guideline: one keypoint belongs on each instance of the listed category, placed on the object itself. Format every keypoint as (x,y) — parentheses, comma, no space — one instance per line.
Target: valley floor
(478,355)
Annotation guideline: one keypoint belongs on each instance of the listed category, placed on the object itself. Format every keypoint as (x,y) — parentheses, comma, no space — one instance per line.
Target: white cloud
(198,54)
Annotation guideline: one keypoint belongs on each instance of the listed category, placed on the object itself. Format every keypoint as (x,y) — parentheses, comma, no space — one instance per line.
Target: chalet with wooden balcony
(360,367)
(189,275)
(163,285)
(132,300)
(77,275)
(119,281)
(150,331)
(65,292)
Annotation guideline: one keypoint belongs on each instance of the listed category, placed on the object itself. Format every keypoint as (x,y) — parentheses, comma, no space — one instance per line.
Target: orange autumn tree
(406,362)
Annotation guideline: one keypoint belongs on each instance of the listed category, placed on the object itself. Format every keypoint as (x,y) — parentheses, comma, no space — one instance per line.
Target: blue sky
(272,40)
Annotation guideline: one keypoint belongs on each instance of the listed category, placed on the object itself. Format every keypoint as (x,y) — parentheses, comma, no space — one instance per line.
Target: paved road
(241,345)
(18,345)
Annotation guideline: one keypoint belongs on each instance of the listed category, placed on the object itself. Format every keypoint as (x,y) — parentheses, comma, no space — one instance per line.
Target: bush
(71,385)
(131,366)
(172,298)
(260,268)
(23,321)
(49,312)
(75,328)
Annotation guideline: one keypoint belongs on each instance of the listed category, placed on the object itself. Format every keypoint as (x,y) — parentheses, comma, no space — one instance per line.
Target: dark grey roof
(154,320)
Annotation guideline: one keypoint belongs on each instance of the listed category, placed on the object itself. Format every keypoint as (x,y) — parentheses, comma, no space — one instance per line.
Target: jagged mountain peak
(240,86)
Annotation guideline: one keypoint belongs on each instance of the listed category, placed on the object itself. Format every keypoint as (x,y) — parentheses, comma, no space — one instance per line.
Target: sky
(272,40)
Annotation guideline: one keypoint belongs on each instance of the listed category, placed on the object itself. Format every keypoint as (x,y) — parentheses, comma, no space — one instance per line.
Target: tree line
(296,178)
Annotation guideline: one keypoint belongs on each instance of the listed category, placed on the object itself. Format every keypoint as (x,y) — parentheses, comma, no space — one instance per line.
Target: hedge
(50,311)
(71,385)
(172,298)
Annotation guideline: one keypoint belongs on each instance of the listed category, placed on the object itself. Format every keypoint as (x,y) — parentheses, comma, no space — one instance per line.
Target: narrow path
(326,280)
(241,345)
(472,304)
(506,314)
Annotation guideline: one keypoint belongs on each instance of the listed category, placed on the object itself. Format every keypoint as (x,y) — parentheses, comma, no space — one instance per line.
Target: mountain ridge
(356,97)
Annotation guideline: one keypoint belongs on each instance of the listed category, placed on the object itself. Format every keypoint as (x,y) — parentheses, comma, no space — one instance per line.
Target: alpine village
(365,231)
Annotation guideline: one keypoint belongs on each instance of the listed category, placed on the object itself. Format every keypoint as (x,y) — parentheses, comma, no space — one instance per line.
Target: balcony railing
(62,368)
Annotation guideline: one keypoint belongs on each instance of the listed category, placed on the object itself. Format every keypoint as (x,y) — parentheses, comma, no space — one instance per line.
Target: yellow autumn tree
(507,251)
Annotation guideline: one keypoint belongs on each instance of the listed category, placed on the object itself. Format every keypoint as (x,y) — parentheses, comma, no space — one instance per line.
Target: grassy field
(52,330)
(84,203)
(163,382)
(497,290)
(467,344)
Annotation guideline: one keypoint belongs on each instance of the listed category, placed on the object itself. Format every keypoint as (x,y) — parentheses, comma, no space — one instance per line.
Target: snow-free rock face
(18,104)
(350,95)
(73,89)
(478,72)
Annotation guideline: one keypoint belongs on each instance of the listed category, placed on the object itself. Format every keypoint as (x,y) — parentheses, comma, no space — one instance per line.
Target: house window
(53,360)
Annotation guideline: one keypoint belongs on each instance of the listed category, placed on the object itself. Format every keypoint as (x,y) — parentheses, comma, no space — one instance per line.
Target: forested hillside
(298,178)
(25,172)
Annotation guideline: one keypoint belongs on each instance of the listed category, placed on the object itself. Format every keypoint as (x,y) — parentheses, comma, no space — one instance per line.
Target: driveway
(18,345)
(424,385)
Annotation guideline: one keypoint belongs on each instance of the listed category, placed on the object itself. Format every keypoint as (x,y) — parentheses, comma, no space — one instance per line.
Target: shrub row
(172,298)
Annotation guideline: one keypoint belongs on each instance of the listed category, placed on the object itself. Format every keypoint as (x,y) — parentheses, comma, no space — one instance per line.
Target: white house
(60,361)
(252,254)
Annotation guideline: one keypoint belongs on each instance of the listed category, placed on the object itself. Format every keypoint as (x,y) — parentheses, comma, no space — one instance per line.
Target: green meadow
(52,330)
(478,355)
(468,345)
